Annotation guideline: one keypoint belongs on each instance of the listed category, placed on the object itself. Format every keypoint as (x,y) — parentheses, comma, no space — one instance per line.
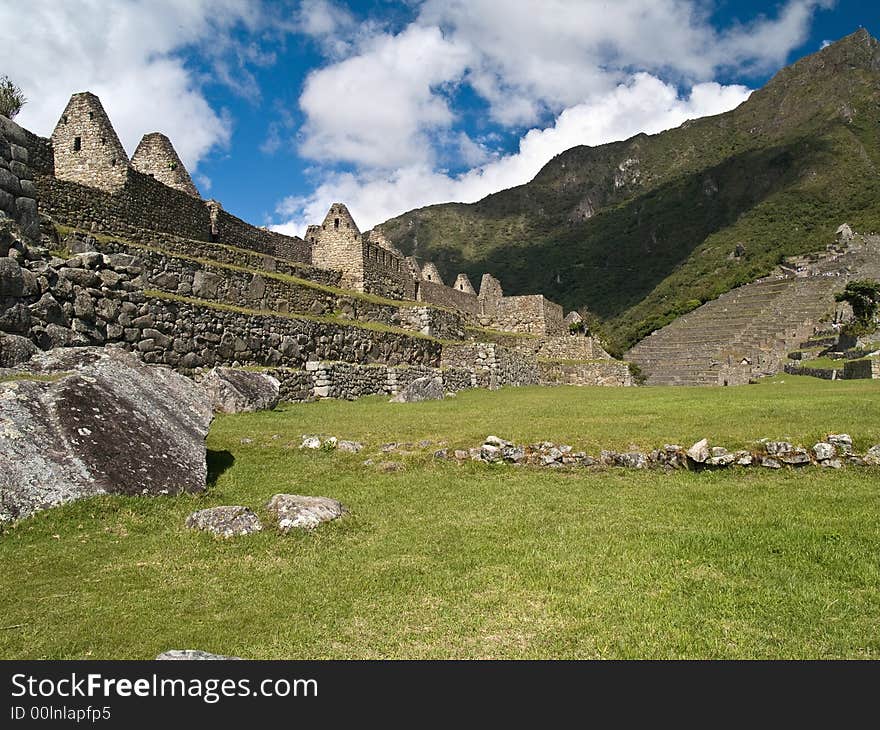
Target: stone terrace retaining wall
(866,368)
(348,381)
(571,347)
(600,372)
(493,365)
(266,292)
(194,336)
(221,253)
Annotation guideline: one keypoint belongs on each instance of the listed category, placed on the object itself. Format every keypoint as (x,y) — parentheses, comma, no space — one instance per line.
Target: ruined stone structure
(156,156)
(85,147)
(150,267)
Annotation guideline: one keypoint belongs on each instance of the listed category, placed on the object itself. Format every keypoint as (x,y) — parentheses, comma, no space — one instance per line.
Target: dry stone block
(241,391)
(294,511)
(421,389)
(193,655)
(699,452)
(226,521)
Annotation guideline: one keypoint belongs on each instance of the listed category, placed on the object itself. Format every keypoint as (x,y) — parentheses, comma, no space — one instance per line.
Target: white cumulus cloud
(601,71)
(644,104)
(129,54)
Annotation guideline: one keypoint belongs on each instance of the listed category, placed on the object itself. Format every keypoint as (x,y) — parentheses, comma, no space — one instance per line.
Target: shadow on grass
(218,462)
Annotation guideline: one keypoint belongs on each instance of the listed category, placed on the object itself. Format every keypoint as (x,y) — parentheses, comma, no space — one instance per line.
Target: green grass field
(441,560)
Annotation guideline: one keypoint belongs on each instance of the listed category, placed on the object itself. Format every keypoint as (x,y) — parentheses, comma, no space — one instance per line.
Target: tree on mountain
(11,97)
(864,298)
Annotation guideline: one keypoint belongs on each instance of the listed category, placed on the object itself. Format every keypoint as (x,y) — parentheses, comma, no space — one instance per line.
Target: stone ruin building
(142,261)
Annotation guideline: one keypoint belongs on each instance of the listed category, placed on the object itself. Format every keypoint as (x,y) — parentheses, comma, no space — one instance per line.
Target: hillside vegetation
(641,231)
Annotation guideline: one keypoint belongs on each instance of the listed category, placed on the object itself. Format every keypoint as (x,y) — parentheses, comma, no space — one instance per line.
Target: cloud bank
(383,123)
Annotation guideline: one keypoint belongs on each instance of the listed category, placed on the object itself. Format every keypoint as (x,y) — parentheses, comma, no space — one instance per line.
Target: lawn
(440,560)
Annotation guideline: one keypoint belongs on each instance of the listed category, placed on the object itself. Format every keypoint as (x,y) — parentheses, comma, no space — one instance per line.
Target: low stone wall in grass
(493,365)
(866,368)
(348,381)
(596,372)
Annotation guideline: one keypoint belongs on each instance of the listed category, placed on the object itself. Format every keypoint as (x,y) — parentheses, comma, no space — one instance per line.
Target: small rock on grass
(295,511)
(226,521)
(193,655)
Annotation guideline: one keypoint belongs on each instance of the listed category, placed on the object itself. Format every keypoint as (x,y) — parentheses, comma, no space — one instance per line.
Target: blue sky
(279,108)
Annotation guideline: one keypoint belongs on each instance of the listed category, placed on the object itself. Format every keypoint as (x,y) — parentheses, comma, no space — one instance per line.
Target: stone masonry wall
(348,381)
(532,313)
(235,232)
(570,347)
(272,293)
(143,203)
(493,365)
(865,368)
(18,193)
(41,158)
(445,296)
(600,372)
(213,251)
(385,273)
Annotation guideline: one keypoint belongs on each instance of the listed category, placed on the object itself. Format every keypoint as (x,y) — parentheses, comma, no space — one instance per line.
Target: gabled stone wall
(156,156)
(86,148)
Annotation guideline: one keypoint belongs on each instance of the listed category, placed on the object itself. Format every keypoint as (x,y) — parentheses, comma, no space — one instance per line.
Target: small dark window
(429,277)
(113,162)
(77,144)
(336,223)
(103,140)
(91,115)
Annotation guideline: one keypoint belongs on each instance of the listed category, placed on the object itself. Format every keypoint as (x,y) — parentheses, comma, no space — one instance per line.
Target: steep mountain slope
(644,230)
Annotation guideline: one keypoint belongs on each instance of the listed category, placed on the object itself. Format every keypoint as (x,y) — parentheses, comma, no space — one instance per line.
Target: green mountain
(641,231)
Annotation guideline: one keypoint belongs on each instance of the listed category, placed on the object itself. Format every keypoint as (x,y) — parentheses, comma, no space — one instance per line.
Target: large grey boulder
(233,390)
(15,350)
(189,655)
(294,511)
(96,421)
(427,388)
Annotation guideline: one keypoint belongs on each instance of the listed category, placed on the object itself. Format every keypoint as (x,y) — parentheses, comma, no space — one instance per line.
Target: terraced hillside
(747,332)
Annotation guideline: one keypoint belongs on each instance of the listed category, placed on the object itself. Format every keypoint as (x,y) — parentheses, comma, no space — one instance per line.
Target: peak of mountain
(640,231)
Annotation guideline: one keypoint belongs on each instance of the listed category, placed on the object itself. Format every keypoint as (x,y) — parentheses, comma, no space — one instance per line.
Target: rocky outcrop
(233,390)
(226,521)
(84,421)
(430,388)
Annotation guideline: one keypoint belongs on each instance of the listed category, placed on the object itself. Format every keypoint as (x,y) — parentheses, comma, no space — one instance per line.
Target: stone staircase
(747,332)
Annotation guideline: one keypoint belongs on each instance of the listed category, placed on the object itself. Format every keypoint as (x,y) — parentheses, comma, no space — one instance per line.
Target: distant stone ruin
(139,260)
